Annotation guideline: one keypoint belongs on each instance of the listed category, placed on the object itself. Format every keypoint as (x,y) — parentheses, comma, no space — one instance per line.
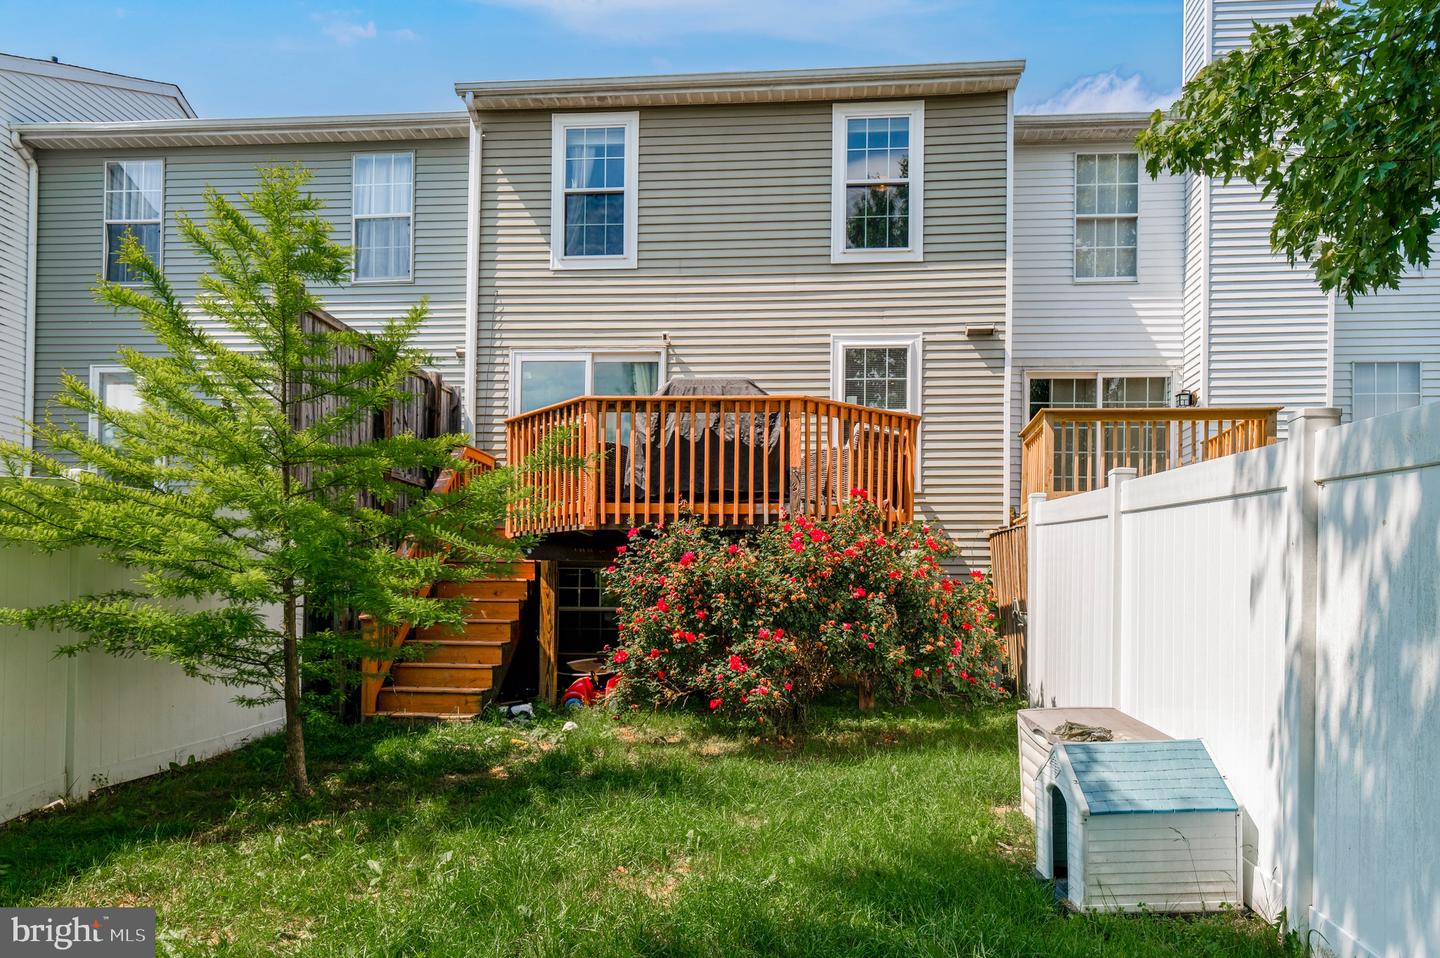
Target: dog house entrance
(1059,833)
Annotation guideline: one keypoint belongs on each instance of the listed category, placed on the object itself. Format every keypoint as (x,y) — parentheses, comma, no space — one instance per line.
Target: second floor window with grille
(384,197)
(134,205)
(1107,216)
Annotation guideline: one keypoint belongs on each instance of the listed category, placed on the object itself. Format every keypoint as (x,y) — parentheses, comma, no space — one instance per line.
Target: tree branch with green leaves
(1335,116)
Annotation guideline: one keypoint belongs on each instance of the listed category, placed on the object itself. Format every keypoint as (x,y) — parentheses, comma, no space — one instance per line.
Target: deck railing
(1067,451)
(731,460)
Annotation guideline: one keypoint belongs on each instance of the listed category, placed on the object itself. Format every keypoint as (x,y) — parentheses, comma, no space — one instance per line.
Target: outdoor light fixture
(1185,398)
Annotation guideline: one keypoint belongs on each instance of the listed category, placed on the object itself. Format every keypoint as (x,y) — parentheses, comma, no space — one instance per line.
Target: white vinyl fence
(69,725)
(1283,605)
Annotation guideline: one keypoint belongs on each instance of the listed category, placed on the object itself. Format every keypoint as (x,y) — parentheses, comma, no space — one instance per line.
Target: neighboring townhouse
(1258,330)
(394,187)
(40,91)
(1099,259)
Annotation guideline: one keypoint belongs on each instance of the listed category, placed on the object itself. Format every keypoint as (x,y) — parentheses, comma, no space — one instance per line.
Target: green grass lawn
(891,835)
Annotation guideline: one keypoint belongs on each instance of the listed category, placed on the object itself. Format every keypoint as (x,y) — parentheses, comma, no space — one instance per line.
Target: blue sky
(275,57)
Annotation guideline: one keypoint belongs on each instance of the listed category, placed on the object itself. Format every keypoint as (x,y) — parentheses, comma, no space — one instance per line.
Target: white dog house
(1126,826)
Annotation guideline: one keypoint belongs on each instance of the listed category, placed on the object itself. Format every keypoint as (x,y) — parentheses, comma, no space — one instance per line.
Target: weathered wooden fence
(1008,547)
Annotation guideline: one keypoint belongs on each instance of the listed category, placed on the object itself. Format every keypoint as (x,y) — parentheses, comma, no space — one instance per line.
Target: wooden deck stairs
(459,669)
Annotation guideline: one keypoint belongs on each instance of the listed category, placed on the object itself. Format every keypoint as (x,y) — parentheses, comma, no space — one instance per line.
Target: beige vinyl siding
(73,332)
(1061,324)
(1395,325)
(29,98)
(734,263)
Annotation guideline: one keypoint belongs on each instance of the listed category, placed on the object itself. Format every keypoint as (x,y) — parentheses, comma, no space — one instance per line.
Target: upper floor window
(878,181)
(383,187)
(1382,388)
(593,190)
(134,204)
(1107,215)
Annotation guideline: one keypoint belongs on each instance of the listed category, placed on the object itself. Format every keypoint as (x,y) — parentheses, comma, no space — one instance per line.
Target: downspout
(1006,414)
(31,238)
(472,271)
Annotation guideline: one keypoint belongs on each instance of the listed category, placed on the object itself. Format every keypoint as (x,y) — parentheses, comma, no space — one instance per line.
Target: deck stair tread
(461,666)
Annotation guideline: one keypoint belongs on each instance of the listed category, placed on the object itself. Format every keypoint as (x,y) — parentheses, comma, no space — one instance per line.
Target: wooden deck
(1069,451)
(732,460)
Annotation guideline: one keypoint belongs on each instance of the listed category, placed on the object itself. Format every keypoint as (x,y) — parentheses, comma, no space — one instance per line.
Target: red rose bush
(755,627)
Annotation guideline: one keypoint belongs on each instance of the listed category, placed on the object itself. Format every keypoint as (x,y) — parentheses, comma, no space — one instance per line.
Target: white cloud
(1106,93)
(344,28)
(814,20)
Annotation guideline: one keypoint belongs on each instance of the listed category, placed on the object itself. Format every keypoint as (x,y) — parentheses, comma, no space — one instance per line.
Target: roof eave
(1078,127)
(754,87)
(148,134)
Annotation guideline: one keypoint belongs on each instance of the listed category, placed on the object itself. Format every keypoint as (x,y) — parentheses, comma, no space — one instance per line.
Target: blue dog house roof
(1168,776)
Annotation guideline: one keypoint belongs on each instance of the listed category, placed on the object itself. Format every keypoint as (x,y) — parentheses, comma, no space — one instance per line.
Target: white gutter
(472,271)
(31,237)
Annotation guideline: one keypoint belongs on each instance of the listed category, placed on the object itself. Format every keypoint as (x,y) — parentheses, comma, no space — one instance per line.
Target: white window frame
(1098,377)
(1076,216)
(1354,393)
(915,343)
(559,123)
(843,112)
(106,222)
(588,357)
(355,278)
(98,372)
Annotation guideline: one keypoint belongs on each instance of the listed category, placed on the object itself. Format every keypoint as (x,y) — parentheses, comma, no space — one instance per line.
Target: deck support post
(549,580)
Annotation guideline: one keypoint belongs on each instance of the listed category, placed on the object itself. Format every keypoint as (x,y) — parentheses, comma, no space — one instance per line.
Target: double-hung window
(134,205)
(594,187)
(878,180)
(1107,216)
(544,377)
(1382,388)
(878,371)
(383,186)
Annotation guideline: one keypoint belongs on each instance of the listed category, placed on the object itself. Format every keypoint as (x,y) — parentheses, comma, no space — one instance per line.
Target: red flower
(714,704)
(859,592)
(620,550)
(621,656)
(764,633)
(687,560)
(819,535)
(662,605)
(976,574)
(732,548)
(947,584)
(655,653)
(632,533)
(737,664)
(702,615)
(919,672)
